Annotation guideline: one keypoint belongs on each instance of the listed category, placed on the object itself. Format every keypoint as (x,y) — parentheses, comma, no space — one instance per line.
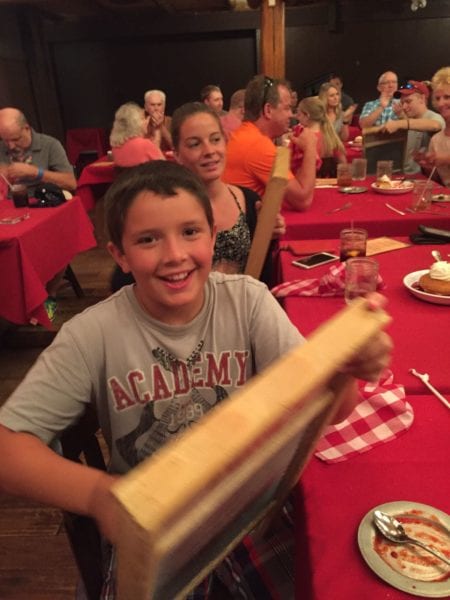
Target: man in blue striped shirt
(384,108)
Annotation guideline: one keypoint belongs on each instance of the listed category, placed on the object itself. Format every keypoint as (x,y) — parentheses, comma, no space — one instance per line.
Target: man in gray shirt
(420,122)
(30,157)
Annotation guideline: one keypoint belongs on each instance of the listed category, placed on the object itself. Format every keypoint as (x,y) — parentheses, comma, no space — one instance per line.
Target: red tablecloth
(367,210)
(94,181)
(333,499)
(420,330)
(33,251)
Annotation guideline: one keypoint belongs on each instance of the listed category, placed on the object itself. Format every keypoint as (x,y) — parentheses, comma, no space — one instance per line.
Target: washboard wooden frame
(271,205)
(380,145)
(183,509)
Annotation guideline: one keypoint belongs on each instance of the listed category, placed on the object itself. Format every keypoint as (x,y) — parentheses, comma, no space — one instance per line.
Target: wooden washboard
(183,509)
(381,145)
(271,205)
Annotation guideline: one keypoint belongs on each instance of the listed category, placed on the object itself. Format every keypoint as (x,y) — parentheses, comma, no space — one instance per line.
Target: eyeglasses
(268,84)
(388,81)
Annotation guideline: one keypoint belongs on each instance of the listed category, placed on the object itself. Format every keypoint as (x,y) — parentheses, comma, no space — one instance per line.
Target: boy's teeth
(178,277)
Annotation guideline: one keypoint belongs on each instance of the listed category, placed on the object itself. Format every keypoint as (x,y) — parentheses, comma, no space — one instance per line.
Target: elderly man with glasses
(251,150)
(30,157)
(384,108)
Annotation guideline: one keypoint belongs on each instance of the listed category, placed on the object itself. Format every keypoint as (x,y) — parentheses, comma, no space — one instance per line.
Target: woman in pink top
(129,147)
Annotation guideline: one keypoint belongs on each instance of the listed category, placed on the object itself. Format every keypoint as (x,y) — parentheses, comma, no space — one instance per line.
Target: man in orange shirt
(251,150)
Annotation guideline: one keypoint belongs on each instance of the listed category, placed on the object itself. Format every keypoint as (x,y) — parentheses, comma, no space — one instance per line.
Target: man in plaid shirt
(384,108)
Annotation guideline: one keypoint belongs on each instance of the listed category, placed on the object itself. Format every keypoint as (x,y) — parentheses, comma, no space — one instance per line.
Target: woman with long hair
(330,96)
(330,149)
(199,144)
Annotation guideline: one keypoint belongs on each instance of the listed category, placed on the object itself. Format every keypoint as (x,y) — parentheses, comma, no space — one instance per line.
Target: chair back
(328,168)
(80,444)
(380,145)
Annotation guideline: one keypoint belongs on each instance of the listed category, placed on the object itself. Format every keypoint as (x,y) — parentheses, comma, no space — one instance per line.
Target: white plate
(405,187)
(366,540)
(440,198)
(412,278)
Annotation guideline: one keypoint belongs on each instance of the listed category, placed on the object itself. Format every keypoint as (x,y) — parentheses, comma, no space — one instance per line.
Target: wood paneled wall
(76,74)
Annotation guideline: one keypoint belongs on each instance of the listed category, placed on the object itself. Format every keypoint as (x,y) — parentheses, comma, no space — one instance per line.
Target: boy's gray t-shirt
(148,380)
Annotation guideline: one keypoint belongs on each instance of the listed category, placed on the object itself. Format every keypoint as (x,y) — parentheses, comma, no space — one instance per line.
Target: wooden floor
(35,559)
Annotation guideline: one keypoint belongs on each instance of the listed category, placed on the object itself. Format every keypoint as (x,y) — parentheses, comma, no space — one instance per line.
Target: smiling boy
(153,358)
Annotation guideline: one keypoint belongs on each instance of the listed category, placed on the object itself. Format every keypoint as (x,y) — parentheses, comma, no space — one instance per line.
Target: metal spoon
(436,255)
(393,530)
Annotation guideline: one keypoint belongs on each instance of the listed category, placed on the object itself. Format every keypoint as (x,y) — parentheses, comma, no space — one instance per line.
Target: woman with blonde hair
(128,144)
(330,96)
(330,149)
(437,157)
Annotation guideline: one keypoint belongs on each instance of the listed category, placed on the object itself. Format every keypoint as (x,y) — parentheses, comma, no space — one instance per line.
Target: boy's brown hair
(161,177)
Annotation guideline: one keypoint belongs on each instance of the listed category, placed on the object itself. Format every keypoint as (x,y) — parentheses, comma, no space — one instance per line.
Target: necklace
(169,360)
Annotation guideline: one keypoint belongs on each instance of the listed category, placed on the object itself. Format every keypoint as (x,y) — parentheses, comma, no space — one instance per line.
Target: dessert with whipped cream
(437,280)
(386,182)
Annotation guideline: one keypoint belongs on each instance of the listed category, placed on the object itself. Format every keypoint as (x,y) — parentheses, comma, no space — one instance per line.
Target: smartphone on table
(314,260)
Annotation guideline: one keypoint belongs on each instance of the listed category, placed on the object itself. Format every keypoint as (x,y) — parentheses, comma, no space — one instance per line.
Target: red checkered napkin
(381,416)
(331,284)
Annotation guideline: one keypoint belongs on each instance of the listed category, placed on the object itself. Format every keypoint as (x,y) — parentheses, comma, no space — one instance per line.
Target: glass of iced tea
(19,194)
(344,174)
(353,242)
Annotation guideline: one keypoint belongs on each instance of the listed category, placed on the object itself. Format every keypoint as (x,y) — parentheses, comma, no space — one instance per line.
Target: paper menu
(383,244)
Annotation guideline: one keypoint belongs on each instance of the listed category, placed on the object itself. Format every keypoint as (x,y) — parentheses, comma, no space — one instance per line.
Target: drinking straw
(431,174)
(422,198)
(6,180)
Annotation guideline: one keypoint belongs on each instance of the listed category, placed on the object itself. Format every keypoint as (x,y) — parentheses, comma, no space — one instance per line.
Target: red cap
(412,87)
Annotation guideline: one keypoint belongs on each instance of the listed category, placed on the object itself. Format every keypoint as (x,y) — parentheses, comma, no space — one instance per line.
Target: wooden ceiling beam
(273,43)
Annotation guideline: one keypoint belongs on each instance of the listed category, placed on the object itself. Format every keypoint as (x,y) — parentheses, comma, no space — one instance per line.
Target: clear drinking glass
(421,195)
(359,169)
(384,167)
(361,275)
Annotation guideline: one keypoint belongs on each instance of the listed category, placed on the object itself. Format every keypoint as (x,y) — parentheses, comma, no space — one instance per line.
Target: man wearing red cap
(420,122)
